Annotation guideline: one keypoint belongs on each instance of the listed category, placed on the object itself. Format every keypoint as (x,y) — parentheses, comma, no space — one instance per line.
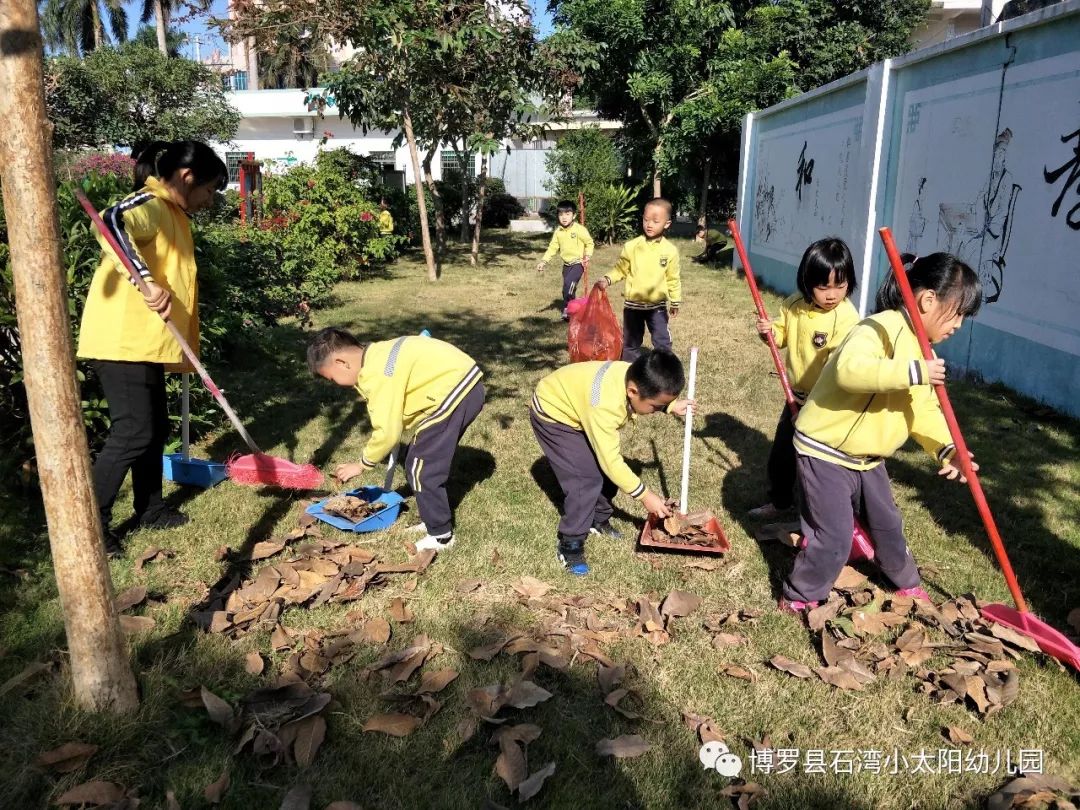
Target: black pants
(587,492)
(140,427)
(428,460)
(633,330)
(571,275)
(781,467)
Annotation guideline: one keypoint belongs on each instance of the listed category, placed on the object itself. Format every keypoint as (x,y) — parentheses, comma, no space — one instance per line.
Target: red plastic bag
(595,333)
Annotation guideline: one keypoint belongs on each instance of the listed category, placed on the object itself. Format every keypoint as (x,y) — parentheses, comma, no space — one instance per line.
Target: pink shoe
(917,592)
(796,607)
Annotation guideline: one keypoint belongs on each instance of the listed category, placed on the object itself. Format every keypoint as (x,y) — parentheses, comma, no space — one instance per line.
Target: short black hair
(662,203)
(951,280)
(326,342)
(656,372)
(565,206)
(822,259)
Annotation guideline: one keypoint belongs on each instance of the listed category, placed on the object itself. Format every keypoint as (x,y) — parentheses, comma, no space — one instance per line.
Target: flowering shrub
(112,164)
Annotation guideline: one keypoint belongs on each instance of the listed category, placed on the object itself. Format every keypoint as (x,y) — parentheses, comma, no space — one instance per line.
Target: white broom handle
(185,416)
(686,434)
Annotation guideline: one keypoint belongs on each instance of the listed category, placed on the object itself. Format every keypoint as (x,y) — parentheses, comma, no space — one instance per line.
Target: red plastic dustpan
(1050,641)
(862,547)
(712,526)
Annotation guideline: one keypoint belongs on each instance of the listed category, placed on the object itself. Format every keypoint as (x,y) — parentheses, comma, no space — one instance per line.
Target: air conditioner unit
(303,126)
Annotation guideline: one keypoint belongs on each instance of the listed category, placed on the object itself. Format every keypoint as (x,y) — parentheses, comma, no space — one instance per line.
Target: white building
(280,129)
(952,18)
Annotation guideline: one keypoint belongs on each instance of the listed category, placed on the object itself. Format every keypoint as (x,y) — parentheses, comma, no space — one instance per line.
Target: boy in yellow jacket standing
(123,333)
(650,265)
(417,384)
(577,412)
(574,245)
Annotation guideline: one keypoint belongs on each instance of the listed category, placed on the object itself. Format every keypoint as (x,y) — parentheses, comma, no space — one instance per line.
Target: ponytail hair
(162,159)
(951,280)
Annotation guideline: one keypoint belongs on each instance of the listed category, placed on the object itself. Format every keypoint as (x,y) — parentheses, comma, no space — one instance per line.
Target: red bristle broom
(254,469)
(862,548)
(1050,641)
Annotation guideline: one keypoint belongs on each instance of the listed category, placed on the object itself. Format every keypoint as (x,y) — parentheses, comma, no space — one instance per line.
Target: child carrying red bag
(595,333)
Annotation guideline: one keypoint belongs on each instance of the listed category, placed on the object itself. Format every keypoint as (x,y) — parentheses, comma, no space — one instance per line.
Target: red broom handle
(200,369)
(962,454)
(789,395)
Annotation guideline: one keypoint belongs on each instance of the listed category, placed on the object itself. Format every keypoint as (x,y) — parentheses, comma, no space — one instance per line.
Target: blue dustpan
(181,468)
(380,520)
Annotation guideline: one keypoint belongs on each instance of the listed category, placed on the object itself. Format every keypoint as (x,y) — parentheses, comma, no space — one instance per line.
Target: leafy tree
(147,37)
(80,26)
(581,158)
(119,96)
(297,59)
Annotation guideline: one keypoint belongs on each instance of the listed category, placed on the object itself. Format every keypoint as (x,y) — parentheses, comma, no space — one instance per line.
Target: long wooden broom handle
(789,395)
(962,454)
(200,369)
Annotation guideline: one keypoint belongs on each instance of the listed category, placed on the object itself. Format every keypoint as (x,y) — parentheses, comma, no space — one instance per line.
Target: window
(234,81)
(233,161)
(454,161)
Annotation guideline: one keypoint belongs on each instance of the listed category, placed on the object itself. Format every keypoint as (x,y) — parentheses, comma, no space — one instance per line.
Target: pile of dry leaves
(351,508)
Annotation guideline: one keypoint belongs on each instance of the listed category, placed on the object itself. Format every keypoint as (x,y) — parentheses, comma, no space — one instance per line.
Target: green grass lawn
(506,316)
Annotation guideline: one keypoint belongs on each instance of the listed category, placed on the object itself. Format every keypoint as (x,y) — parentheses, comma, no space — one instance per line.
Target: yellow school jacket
(571,244)
(386,223)
(651,270)
(872,395)
(810,335)
(410,384)
(155,235)
(591,397)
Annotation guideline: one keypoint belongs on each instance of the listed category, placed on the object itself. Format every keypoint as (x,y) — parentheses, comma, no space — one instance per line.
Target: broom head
(259,469)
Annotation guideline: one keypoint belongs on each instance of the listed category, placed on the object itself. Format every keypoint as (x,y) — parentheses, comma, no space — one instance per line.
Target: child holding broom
(416,384)
(812,323)
(574,245)
(577,412)
(650,265)
(874,392)
(122,331)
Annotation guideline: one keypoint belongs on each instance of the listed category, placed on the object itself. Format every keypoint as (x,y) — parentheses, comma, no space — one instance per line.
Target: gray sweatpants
(587,492)
(634,322)
(832,496)
(431,452)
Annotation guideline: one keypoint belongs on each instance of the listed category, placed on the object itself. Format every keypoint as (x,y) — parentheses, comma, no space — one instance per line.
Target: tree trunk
(99,27)
(656,169)
(465,170)
(421,204)
(703,211)
(481,191)
(100,670)
(436,197)
(162,26)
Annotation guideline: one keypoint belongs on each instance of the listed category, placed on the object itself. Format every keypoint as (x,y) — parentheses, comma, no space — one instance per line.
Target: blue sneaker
(574,562)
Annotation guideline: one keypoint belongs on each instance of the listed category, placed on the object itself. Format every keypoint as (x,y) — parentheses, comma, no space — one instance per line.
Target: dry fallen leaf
(26,674)
(1013,637)
(299,798)
(92,793)
(849,579)
(376,631)
(838,677)
(957,736)
(679,603)
(531,786)
(396,725)
(310,733)
(530,587)
(136,624)
(267,548)
(220,711)
(745,793)
(400,612)
(432,682)
(525,694)
(253,663)
(627,746)
(152,554)
(723,640)
(736,671)
(215,791)
(791,667)
(68,757)
(130,598)
(468,585)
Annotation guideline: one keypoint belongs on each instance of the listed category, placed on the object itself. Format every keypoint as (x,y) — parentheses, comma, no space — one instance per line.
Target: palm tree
(298,60)
(80,26)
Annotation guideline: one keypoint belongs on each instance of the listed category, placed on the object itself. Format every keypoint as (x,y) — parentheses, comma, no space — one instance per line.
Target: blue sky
(210,38)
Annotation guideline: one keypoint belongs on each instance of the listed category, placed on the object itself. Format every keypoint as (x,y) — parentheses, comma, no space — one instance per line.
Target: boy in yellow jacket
(571,240)
(386,219)
(875,392)
(122,331)
(650,265)
(577,412)
(411,384)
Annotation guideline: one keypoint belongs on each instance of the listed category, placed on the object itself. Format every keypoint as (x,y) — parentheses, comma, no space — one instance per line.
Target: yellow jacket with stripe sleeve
(591,397)
(386,222)
(410,384)
(155,235)
(570,243)
(872,395)
(810,335)
(651,270)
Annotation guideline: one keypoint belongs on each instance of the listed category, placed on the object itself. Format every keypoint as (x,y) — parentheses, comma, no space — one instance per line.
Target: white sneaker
(432,543)
(419,527)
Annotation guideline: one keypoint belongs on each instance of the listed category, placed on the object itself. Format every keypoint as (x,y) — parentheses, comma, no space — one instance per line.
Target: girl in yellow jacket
(875,392)
(122,330)
(813,322)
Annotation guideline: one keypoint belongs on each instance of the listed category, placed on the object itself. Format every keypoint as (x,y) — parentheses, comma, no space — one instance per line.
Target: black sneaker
(113,549)
(605,529)
(164,519)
